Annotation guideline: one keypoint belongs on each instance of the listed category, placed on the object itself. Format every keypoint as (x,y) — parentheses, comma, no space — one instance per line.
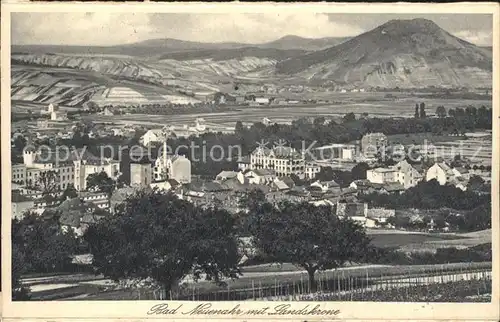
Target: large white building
(169,166)
(381,175)
(445,174)
(84,167)
(140,175)
(407,175)
(37,162)
(402,172)
(285,161)
(311,170)
(70,167)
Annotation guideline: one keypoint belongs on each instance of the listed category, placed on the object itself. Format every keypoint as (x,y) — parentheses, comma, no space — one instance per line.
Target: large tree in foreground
(160,237)
(309,237)
(42,244)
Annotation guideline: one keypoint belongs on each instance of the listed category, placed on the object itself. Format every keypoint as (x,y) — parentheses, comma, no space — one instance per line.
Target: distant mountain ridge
(403,53)
(155,47)
(400,53)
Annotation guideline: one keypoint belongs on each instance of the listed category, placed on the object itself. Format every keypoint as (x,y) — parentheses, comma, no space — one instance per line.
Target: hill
(402,53)
(291,42)
(237,53)
(159,47)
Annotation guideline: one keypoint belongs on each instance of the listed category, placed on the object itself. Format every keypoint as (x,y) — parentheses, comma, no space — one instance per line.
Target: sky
(103,29)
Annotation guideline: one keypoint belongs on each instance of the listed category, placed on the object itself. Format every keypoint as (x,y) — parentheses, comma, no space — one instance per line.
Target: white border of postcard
(348,310)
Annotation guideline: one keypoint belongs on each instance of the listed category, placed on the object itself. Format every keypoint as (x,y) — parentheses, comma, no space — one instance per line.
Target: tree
(349,117)
(325,174)
(252,204)
(239,127)
(252,200)
(69,193)
(309,237)
(48,183)
(101,181)
(359,171)
(42,244)
(441,111)
(417,114)
(160,237)
(422,110)
(19,291)
(19,142)
(475,183)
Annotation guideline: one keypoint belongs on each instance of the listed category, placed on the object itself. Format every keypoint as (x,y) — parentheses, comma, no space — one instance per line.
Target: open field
(278,114)
(415,241)
(90,287)
(421,138)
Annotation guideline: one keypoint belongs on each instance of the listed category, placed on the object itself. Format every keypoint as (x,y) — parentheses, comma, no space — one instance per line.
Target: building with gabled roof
(445,174)
(153,136)
(283,160)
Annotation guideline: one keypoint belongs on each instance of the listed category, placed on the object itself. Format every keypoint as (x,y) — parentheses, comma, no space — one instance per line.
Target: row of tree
(428,195)
(476,219)
(159,237)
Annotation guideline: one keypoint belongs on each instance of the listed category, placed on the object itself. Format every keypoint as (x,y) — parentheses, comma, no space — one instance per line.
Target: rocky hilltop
(403,53)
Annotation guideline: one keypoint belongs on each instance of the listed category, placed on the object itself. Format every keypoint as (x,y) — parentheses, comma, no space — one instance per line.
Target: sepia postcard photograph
(241,161)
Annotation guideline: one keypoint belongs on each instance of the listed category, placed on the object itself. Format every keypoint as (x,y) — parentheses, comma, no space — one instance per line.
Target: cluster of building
(154,136)
(281,172)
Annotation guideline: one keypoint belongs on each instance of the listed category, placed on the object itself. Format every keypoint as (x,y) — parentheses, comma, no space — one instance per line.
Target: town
(300,169)
(280,171)
(370,181)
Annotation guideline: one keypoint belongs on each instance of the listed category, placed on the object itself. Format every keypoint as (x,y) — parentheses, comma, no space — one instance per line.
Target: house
(262,100)
(244,163)
(153,136)
(260,176)
(280,185)
(167,185)
(322,202)
(377,217)
(461,172)
(288,181)
(100,199)
(444,174)
(107,112)
(235,184)
(311,170)
(71,212)
(393,187)
(353,210)
(325,186)
(20,205)
(459,182)
(266,121)
(117,132)
(381,175)
(225,175)
(365,186)
(406,174)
